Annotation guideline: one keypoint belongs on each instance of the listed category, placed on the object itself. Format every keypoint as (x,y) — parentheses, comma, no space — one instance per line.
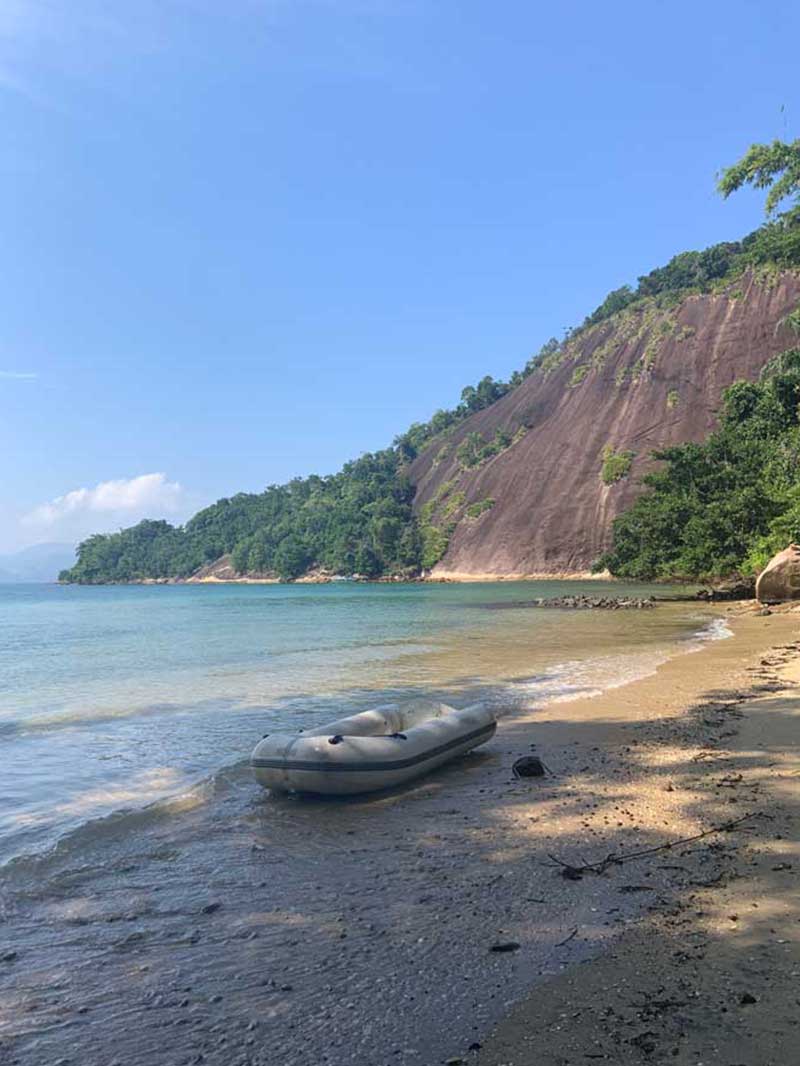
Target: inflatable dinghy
(376,749)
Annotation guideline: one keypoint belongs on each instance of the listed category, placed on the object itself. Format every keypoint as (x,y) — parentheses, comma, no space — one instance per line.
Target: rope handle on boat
(339,738)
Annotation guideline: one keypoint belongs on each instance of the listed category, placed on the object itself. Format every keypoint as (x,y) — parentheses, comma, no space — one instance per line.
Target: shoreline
(467,577)
(421,883)
(611,664)
(444,578)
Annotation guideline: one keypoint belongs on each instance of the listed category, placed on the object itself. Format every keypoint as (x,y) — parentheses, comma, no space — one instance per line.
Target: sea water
(116,697)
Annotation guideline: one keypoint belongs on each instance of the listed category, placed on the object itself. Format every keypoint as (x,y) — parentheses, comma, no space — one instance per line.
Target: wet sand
(238,928)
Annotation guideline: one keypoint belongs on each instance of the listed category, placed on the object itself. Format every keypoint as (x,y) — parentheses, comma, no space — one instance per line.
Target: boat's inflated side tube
(370,751)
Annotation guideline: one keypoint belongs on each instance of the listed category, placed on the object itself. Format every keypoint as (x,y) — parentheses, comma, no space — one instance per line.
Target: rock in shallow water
(599,603)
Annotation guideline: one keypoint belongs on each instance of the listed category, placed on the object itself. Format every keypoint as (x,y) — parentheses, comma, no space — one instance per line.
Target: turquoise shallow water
(118,696)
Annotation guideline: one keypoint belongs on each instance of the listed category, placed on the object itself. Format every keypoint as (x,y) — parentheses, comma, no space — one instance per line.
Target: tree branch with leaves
(773,166)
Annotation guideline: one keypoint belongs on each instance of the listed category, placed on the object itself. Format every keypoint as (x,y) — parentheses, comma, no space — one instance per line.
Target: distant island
(659,439)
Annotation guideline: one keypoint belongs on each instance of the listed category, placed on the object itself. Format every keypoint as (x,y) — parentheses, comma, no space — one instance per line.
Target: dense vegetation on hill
(356,521)
(360,520)
(420,434)
(775,167)
(776,243)
(728,504)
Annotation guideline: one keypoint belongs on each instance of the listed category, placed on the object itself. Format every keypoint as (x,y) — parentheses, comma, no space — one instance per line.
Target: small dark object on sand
(529,766)
(572,873)
(747,998)
(505,946)
(645,1042)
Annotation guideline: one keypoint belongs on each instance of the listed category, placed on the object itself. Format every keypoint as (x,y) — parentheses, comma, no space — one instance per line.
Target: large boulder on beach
(780,579)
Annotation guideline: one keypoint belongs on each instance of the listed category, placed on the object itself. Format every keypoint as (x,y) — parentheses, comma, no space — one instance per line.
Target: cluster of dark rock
(735,588)
(598,603)
(778,582)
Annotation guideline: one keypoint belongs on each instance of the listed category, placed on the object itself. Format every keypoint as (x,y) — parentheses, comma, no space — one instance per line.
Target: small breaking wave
(122,823)
(716,629)
(585,678)
(590,677)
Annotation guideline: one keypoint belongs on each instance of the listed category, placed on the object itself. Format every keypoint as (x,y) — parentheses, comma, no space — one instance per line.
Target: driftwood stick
(614,859)
(567,939)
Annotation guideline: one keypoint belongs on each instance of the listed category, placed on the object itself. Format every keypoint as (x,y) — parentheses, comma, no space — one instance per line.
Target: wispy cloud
(46,45)
(17,375)
(49,48)
(126,499)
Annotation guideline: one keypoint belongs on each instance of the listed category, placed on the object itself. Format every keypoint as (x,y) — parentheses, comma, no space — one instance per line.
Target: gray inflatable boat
(377,749)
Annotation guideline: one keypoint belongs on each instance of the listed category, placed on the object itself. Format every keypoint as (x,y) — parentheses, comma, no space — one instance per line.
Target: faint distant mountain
(41,562)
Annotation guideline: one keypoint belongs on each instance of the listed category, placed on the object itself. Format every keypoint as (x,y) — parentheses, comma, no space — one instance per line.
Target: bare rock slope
(647,378)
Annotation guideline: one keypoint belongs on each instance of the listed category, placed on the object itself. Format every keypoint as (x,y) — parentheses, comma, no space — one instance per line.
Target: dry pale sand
(462,577)
(237,929)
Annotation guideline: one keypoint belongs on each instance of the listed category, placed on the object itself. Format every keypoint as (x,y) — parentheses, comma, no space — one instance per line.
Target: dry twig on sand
(567,939)
(574,873)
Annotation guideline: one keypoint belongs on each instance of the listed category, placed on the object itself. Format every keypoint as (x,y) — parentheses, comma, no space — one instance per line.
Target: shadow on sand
(239,928)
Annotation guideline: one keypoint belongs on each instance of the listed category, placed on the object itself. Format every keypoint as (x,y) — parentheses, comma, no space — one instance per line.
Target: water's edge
(563,682)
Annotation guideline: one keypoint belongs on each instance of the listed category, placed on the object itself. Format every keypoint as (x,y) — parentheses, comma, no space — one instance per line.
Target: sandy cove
(239,929)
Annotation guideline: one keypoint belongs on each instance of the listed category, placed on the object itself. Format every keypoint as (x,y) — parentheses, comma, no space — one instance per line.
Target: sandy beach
(435,924)
(710,974)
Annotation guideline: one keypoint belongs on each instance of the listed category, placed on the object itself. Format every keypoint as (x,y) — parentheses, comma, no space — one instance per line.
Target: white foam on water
(716,629)
(585,678)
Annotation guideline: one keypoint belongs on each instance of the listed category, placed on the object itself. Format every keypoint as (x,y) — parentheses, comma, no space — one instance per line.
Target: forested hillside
(358,521)
(730,503)
(527,475)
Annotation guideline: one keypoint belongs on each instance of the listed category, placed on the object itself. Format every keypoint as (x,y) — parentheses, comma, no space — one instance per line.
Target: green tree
(773,166)
(617,300)
(725,505)
(469,450)
(292,558)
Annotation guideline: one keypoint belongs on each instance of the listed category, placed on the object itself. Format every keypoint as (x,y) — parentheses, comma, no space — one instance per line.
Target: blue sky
(251,240)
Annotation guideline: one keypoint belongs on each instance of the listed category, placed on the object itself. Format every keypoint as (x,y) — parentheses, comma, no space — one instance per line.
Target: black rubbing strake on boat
(364,767)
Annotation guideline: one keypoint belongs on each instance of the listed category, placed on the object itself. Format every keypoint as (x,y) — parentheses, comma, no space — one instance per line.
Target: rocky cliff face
(647,378)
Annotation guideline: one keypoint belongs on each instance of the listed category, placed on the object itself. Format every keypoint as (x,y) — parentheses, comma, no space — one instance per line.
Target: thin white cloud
(17,375)
(150,495)
(49,46)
